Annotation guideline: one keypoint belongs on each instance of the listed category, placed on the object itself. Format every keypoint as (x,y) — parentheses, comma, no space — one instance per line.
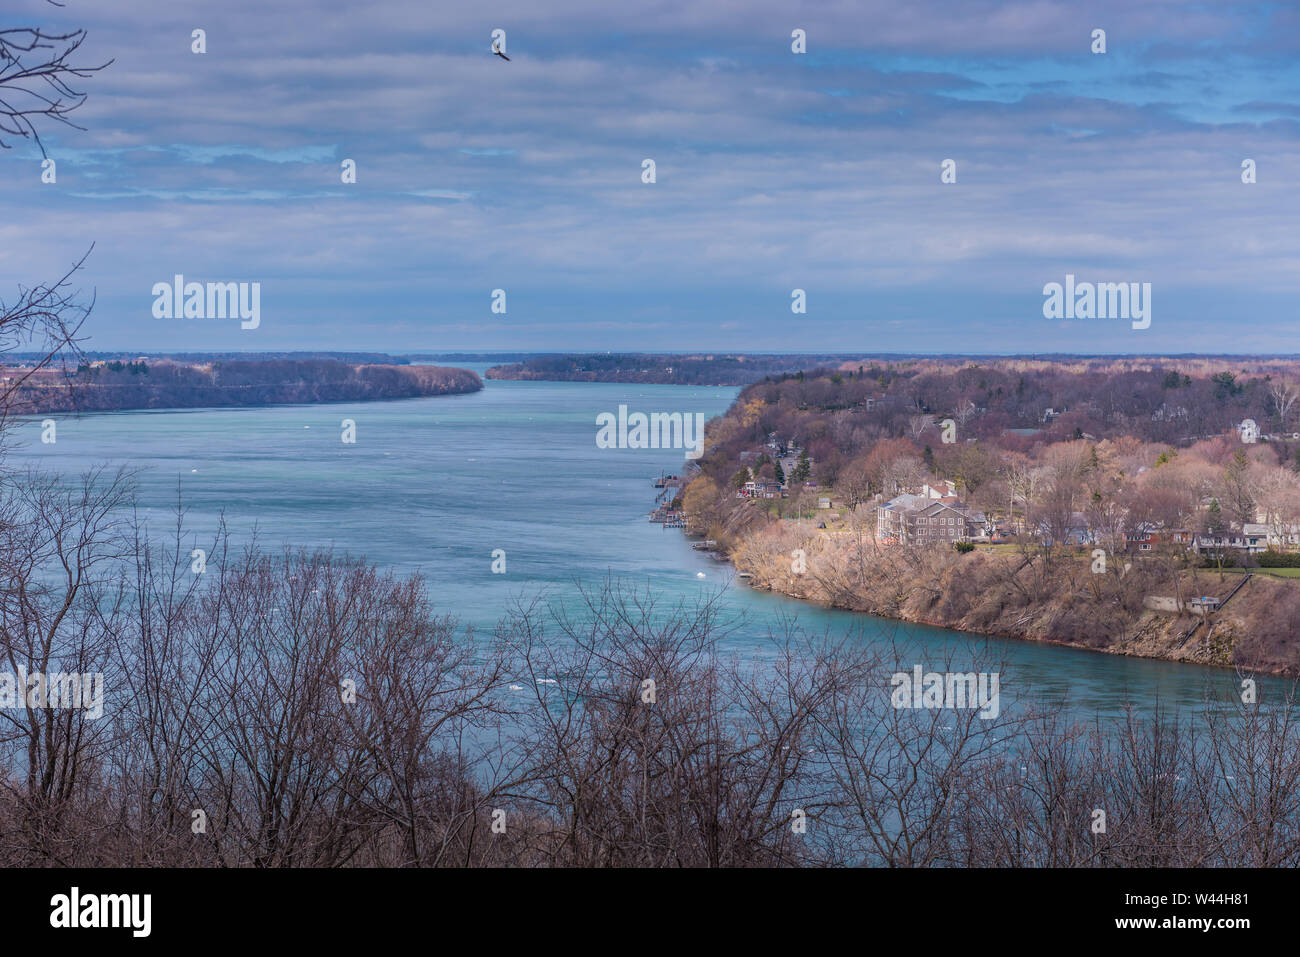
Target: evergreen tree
(803,470)
(1214,518)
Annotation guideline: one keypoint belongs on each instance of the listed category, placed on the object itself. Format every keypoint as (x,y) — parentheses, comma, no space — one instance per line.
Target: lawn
(1275,572)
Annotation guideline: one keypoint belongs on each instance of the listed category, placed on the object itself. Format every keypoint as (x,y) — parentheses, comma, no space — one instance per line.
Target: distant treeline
(116,385)
(739,369)
(665,369)
(356,358)
(454,357)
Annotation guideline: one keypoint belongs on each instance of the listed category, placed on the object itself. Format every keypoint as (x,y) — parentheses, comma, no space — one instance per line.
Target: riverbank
(1031,596)
(124,386)
(658,369)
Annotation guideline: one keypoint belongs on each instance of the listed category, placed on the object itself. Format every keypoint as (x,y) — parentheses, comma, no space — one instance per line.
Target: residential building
(1252,537)
(912,519)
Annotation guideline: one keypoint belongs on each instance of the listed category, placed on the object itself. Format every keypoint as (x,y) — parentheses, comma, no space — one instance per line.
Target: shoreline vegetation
(1111,505)
(116,386)
(707,369)
(742,369)
(537,746)
(997,599)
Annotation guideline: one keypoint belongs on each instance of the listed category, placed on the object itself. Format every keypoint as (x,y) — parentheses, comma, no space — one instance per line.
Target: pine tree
(803,471)
(1214,518)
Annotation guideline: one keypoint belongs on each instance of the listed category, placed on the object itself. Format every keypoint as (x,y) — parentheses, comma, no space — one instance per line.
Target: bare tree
(1284,395)
(38,73)
(918,424)
(38,79)
(58,543)
(45,319)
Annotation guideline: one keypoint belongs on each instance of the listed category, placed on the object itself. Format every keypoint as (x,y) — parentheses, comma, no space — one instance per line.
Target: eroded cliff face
(1031,596)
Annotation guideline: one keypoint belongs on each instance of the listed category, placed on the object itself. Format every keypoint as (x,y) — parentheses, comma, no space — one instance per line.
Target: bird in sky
(496,48)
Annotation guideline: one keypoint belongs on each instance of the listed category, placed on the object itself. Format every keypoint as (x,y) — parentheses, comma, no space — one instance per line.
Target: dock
(669,486)
(668,517)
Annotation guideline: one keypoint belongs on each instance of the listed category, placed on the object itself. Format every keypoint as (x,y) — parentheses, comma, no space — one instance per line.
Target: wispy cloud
(774,171)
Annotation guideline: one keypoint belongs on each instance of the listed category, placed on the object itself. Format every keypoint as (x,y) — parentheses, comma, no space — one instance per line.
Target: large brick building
(911,519)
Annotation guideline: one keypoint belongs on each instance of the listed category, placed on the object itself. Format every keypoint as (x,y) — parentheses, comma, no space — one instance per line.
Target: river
(437,484)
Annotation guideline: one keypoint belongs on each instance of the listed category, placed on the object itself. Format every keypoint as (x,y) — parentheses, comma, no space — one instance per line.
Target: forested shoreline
(165,384)
(653,368)
(1091,490)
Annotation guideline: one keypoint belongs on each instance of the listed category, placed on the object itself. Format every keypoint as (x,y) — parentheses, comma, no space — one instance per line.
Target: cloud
(773,171)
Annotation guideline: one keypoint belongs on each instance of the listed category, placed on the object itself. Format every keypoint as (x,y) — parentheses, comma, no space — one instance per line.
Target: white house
(946,489)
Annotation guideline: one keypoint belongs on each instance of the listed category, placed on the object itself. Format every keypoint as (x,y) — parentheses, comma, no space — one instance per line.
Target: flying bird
(496,48)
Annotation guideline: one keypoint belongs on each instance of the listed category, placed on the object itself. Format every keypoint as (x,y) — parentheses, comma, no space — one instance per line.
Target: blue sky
(775,171)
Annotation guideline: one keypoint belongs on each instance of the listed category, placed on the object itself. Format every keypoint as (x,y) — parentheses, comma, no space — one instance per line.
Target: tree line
(154,384)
